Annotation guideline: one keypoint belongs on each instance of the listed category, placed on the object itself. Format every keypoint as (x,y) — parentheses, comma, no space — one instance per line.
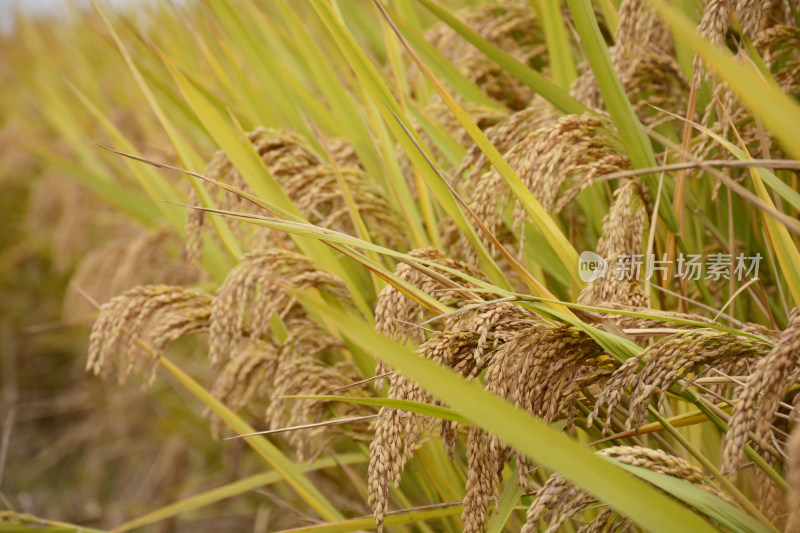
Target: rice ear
(558,501)
(663,364)
(571,152)
(623,228)
(643,60)
(396,314)
(467,345)
(309,181)
(512,27)
(542,369)
(761,396)
(793,479)
(134,258)
(255,291)
(144,319)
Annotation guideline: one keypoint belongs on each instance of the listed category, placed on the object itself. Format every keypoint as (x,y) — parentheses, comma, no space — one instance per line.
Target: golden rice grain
(623,228)
(309,181)
(558,502)
(512,27)
(396,313)
(255,291)
(573,150)
(141,322)
(761,396)
(541,369)
(665,363)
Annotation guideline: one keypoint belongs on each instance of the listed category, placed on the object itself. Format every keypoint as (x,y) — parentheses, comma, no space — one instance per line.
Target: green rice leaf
(540,218)
(508,502)
(729,516)
(558,46)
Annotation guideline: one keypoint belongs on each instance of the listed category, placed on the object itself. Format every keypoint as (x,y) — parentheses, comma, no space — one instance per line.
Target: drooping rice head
(309,181)
(140,323)
(137,257)
(556,162)
(512,27)
(558,502)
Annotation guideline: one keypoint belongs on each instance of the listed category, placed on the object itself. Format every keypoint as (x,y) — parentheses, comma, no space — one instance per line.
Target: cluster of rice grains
(557,501)
(772,25)
(260,338)
(263,343)
(308,181)
(512,27)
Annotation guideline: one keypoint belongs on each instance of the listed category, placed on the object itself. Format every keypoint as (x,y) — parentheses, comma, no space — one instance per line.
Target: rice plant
(421,265)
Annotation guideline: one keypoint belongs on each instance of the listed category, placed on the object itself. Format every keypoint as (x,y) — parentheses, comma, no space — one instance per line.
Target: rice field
(401,265)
